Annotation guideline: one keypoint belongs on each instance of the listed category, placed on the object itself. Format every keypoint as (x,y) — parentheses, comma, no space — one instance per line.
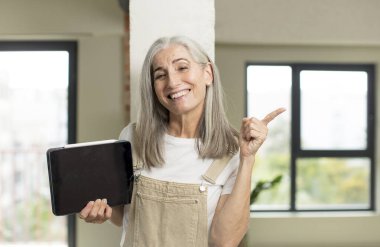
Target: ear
(208,74)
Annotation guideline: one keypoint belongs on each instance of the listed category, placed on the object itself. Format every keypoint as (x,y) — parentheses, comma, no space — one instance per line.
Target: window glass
(333,110)
(325,154)
(268,88)
(333,183)
(34,115)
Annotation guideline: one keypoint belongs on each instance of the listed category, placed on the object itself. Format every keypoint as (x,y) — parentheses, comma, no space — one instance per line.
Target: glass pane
(33,113)
(269,87)
(333,183)
(333,110)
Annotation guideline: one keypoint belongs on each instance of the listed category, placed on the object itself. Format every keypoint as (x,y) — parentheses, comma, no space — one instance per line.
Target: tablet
(80,173)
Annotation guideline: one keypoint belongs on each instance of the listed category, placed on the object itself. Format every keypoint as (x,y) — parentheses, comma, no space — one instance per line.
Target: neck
(183,126)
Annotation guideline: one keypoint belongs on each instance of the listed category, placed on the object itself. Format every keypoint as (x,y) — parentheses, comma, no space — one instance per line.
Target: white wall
(152,19)
(98,26)
(298,229)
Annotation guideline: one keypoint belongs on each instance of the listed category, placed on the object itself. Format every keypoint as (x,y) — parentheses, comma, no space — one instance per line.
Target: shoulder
(127,133)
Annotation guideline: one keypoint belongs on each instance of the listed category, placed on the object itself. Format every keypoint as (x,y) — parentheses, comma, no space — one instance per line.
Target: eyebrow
(174,61)
(179,59)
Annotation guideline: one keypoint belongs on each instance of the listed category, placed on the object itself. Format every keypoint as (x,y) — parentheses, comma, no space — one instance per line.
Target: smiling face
(180,82)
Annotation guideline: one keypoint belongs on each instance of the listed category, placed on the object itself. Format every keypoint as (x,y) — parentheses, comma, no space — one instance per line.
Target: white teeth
(178,94)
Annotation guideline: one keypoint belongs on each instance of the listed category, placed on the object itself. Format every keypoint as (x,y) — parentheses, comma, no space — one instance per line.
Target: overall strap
(216,169)
(137,163)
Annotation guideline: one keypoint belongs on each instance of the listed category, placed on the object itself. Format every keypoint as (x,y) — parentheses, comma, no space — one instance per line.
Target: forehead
(170,54)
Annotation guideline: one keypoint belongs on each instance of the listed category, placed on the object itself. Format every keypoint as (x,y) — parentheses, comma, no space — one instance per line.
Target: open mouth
(179,94)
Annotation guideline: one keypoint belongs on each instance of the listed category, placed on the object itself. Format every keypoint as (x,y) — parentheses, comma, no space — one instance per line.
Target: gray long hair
(216,137)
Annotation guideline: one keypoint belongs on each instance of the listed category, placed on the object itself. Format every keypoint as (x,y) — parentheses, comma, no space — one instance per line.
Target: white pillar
(152,19)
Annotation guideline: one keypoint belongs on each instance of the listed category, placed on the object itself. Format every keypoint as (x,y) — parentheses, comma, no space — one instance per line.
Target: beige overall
(168,214)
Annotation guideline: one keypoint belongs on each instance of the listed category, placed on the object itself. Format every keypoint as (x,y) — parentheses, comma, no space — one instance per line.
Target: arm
(231,218)
(117,215)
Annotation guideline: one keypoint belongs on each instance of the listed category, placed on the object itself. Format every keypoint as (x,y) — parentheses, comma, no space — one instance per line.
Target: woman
(192,169)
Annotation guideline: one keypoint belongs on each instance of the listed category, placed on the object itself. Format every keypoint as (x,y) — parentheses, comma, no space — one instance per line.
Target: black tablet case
(78,175)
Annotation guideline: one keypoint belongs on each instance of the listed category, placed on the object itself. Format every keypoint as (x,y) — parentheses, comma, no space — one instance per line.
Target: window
(323,145)
(37,111)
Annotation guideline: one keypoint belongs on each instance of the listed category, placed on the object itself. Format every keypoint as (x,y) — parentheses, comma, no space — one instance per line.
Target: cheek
(157,89)
(159,92)
(193,79)
(204,90)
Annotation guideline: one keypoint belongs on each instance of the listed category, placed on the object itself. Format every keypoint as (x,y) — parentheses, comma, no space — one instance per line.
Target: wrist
(247,160)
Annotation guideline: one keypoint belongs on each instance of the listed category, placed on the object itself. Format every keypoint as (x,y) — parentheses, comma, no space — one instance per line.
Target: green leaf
(262,185)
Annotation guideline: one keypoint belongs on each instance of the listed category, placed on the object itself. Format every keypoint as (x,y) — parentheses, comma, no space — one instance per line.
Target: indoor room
(70,71)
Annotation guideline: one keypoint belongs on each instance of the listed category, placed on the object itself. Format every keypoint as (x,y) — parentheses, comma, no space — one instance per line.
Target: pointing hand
(253,133)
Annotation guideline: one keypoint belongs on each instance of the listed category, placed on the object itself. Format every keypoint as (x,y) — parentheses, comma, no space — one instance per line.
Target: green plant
(264,185)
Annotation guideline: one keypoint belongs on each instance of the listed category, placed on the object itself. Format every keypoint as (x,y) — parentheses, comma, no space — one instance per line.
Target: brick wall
(127,80)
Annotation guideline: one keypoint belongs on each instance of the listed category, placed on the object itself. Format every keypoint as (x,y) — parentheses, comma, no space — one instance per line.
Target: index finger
(272,115)
(86,210)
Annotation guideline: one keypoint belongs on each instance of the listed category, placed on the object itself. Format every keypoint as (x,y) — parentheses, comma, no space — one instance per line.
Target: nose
(173,79)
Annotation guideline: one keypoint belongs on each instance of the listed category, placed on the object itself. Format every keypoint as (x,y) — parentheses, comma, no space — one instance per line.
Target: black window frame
(295,139)
(71,47)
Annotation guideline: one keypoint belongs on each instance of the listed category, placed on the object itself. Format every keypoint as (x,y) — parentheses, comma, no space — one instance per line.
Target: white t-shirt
(183,165)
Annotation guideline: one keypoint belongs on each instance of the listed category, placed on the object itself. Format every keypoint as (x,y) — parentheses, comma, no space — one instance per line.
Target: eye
(159,76)
(182,68)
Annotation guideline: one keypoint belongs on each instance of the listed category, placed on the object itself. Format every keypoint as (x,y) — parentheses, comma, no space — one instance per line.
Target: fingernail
(91,202)
(104,201)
